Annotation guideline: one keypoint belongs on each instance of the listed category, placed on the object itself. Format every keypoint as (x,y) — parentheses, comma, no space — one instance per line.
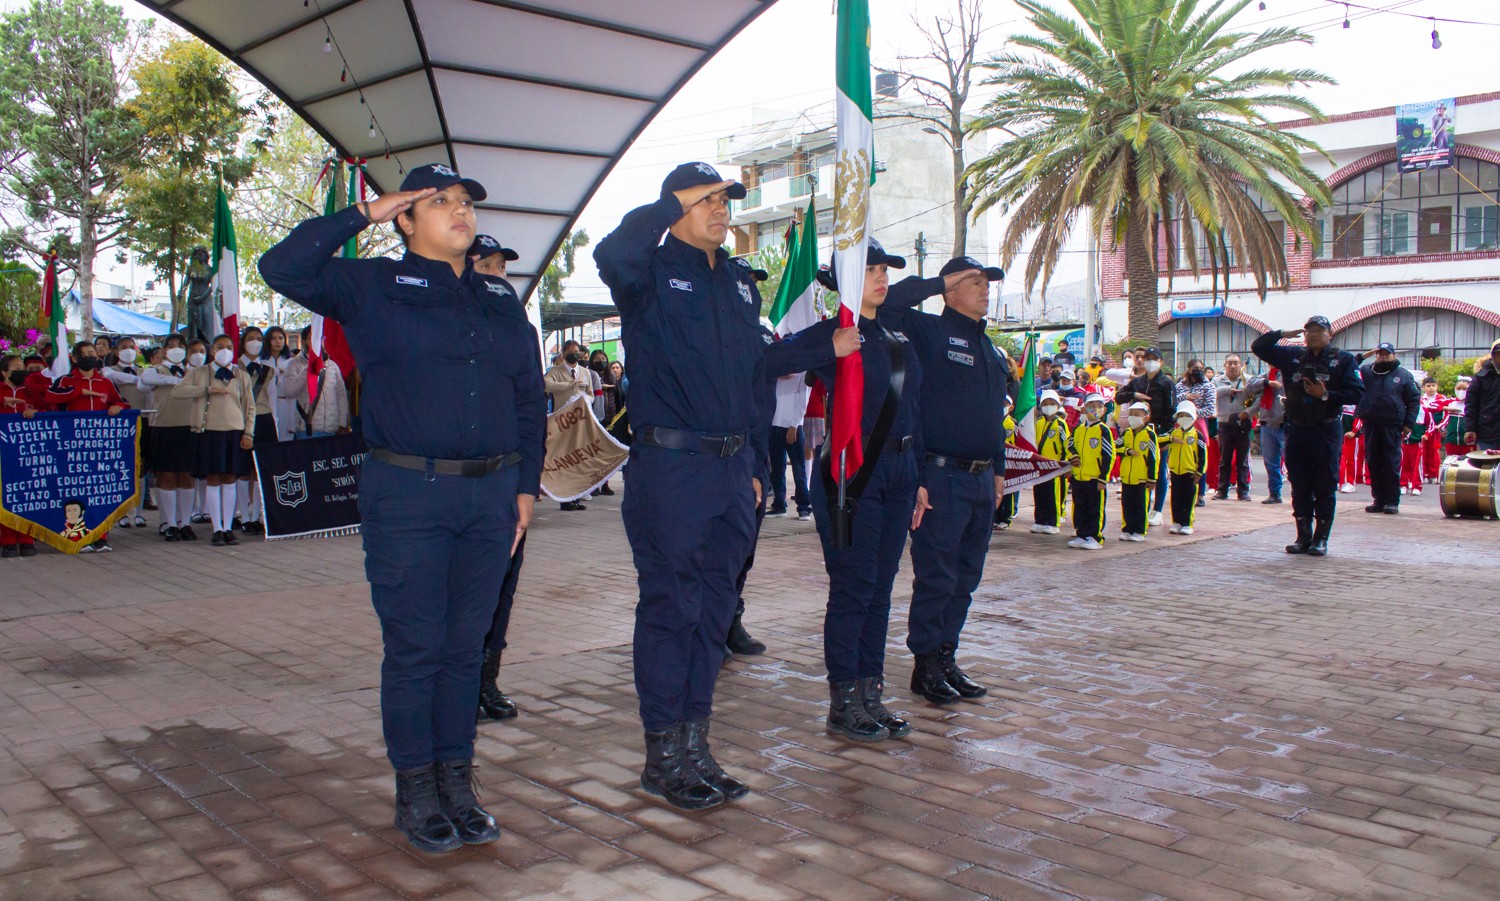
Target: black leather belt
(692,442)
(473,469)
(897,444)
(958,463)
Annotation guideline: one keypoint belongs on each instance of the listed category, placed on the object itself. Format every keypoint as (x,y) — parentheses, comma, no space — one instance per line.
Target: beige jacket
(232,412)
(171,412)
(559,383)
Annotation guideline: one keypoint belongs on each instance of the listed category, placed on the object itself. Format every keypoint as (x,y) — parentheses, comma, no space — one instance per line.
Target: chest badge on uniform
(966,359)
(1094,443)
(681,285)
(497,288)
(958,342)
(900,336)
(411,280)
(745,292)
(766,337)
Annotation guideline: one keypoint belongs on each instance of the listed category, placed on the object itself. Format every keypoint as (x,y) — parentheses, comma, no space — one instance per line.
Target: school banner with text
(66,478)
(581,455)
(1024,469)
(309,488)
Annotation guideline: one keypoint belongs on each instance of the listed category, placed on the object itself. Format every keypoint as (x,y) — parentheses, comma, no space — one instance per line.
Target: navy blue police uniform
(691,325)
(1314,435)
(1391,403)
(860,575)
(965,384)
(452,443)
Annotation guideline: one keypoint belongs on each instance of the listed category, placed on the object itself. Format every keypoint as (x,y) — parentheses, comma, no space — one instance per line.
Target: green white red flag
(795,308)
(226,271)
(54,319)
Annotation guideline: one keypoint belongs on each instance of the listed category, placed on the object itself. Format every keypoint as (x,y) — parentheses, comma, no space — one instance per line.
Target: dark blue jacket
(1482,405)
(1337,370)
(1389,399)
(786,356)
(692,331)
(876,359)
(450,367)
(965,381)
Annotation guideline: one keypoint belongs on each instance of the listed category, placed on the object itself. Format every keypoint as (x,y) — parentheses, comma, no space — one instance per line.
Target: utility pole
(921,251)
(1091,291)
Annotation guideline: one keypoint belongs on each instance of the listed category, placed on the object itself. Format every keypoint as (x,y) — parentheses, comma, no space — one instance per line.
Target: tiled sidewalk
(1183,718)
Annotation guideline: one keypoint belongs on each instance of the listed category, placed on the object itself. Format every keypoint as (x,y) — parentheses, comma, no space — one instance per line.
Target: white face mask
(127,356)
(223,356)
(1153,367)
(1049,409)
(1184,423)
(176,354)
(1462,393)
(252,348)
(197,359)
(1136,421)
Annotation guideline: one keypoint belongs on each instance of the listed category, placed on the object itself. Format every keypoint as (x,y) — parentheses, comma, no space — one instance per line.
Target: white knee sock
(185,506)
(200,497)
(242,501)
(251,488)
(166,502)
(215,512)
(227,495)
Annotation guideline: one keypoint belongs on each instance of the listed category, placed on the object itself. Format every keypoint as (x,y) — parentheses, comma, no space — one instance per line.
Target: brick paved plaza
(1199,717)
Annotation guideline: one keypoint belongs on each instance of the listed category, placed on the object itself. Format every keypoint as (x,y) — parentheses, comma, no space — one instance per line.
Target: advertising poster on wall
(1425,135)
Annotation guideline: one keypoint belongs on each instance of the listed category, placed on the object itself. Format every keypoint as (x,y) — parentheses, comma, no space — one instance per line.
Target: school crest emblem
(291,488)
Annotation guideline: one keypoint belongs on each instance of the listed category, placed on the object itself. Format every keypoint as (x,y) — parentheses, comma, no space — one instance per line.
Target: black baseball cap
(759,275)
(1151,352)
(965,264)
(875,255)
(1319,321)
(440,176)
(1385,346)
(486,246)
(690,175)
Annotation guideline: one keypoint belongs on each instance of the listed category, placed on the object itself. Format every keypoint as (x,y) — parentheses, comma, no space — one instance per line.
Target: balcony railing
(750,201)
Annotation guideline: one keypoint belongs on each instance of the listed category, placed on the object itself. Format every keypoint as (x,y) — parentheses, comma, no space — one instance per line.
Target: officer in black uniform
(1320,380)
(691,323)
(1389,410)
(965,385)
(455,462)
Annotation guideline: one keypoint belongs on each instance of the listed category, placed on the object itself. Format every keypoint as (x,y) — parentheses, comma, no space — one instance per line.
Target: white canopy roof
(536,100)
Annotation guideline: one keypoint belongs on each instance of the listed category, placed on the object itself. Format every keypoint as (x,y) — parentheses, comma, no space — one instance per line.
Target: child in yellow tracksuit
(1187,459)
(1139,451)
(1010,504)
(1092,452)
(1050,499)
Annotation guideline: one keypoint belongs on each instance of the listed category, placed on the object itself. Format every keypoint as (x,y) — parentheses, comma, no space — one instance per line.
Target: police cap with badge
(486,246)
(691,175)
(969,264)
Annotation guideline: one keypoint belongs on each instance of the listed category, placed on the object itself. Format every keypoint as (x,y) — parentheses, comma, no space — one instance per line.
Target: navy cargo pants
(690,519)
(1312,466)
(436,551)
(947,556)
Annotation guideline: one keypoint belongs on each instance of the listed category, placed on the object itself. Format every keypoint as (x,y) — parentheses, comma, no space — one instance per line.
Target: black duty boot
(456,785)
(967,688)
(929,680)
(493,704)
(847,715)
(1304,538)
(870,690)
(695,737)
(1319,546)
(419,814)
(740,642)
(669,775)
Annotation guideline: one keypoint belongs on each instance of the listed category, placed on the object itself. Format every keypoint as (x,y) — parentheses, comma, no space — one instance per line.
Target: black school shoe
(231,539)
(10,550)
(186,533)
(172,533)
(28,550)
(218,539)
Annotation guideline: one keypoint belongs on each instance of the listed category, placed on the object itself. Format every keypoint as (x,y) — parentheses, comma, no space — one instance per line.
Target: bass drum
(1467,490)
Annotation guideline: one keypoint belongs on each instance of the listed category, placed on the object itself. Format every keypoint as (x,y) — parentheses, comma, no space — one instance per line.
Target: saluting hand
(389,206)
(1296,332)
(689,197)
(845,341)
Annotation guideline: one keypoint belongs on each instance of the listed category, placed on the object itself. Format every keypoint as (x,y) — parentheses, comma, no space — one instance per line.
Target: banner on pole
(1025,469)
(310,488)
(66,478)
(581,455)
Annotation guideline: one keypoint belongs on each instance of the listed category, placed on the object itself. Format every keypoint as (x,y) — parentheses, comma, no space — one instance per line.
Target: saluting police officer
(455,462)
(692,326)
(1320,380)
(882,495)
(965,384)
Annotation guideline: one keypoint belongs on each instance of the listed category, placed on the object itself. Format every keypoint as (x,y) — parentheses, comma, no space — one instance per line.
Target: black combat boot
(1304,538)
(740,642)
(456,786)
(929,680)
(419,813)
(669,775)
(493,704)
(695,737)
(967,688)
(870,690)
(847,715)
(1319,546)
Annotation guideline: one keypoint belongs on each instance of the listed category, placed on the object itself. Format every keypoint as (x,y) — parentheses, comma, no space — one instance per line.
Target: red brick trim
(1388,155)
(1383,111)
(1229,313)
(1416,300)
(1458,257)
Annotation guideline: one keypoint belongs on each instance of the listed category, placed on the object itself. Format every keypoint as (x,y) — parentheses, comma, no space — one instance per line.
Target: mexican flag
(1024,467)
(226,269)
(795,308)
(854,154)
(327,337)
(1025,412)
(53,319)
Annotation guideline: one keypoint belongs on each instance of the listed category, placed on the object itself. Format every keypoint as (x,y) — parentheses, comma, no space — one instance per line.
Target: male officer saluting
(1320,381)
(455,463)
(962,477)
(692,326)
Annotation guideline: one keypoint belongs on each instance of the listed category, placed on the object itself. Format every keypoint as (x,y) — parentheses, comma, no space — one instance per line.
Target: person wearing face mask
(1187,458)
(262,372)
(1434,408)
(173,446)
(606,401)
(1050,499)
(276,352)
(1235,406)
(224,431)
(569,378)
(1455,424)
(15,400)
(1155,388)
(1138,448)
(1091,450)
(1482,404)
(1319,380)
(447,491)
(126,374)
(1389,408)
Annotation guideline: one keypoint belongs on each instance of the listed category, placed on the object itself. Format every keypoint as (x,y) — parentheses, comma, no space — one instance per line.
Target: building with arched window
(1412,258)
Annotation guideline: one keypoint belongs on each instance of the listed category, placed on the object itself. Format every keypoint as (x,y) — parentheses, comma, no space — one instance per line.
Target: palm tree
(1126,110)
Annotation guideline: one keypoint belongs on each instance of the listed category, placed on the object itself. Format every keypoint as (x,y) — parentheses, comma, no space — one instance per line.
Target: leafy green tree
(20,298)
(773,260)
(1142,112)
(549,286)
(67,133)
(194,129)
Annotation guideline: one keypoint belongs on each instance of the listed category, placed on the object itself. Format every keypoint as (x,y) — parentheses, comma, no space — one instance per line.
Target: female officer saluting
(455,461)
